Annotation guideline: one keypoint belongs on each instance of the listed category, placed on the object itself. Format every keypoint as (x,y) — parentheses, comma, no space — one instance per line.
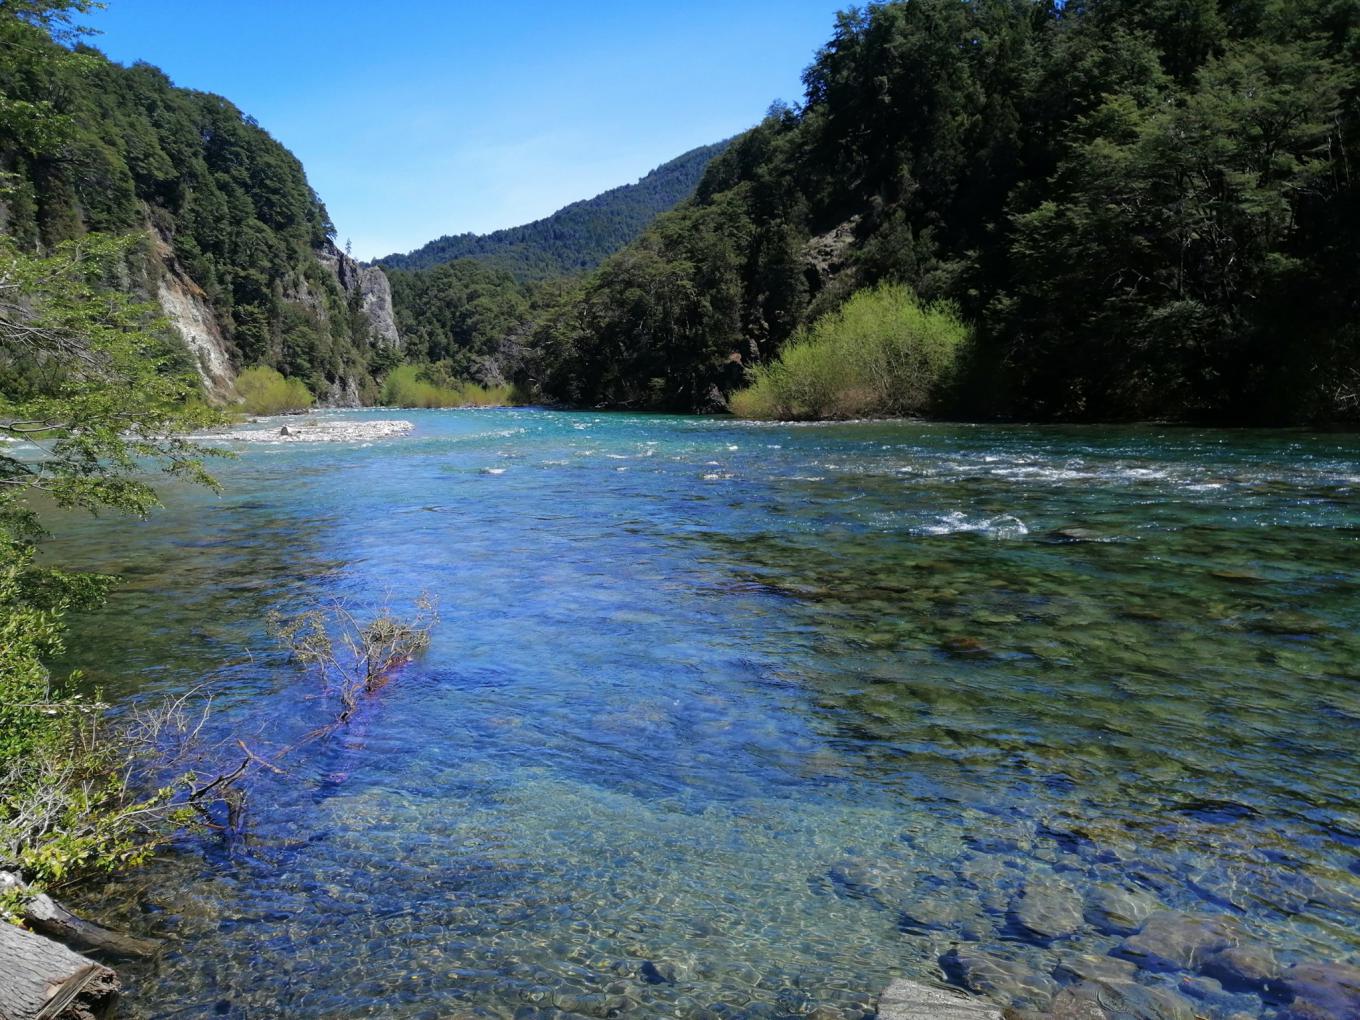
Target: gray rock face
(1117,911)
(344,393)
(1005,980)
(908,1000)
(376,299)
(827,255)
(1048,909)
(186,307)
(1175,941)
(375,293)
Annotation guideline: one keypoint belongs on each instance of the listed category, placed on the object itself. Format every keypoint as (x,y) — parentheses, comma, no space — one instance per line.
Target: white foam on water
(1002,526)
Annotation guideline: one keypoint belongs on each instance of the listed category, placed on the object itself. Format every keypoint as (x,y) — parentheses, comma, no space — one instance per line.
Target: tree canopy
(1148,209)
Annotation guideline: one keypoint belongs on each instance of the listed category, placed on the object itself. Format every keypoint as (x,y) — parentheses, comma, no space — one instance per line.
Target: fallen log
(43,980)
(48,917)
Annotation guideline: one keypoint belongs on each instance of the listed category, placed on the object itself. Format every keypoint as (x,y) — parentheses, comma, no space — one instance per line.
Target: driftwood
(43,980)
(48,917)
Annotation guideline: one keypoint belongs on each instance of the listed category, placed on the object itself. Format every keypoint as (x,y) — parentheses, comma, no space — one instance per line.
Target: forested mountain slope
(577,237)
(1148,209)
(238,249)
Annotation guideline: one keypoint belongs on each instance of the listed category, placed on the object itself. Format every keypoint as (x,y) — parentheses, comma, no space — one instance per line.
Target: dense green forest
(1140,210)
(1146,208)
(122,150)
(577,237)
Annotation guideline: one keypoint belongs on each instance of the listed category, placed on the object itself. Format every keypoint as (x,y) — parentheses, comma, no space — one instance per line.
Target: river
(737,720)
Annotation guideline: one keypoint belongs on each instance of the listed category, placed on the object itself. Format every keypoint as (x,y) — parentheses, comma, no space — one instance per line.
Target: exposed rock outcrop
(826,255)
(375,293)
(191,314)
(187,308)
(344,393)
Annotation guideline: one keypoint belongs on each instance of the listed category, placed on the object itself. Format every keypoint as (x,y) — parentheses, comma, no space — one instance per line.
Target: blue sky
(420,118)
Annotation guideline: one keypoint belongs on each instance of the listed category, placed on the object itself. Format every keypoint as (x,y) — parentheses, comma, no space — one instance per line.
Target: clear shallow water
(742,721)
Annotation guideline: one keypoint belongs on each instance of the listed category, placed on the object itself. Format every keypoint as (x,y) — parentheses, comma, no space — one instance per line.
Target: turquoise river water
(733,720)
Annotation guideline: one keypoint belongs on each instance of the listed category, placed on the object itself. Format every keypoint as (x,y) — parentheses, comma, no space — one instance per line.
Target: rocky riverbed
(317,430)
(1044,951)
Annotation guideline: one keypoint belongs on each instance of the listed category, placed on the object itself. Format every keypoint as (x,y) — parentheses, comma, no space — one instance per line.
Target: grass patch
(264,391)
(884,353)
(409,386)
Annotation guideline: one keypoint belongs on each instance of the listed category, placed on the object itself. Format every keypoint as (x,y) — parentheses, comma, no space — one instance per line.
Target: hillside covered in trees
(577,237)
(1139,209)
(1146,209)
(232,229)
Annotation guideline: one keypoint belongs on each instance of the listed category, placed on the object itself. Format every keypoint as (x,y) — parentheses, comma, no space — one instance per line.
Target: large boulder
(1048,909)
(1323,991)
(1170,940)
(1003,979)
(1116,910)
(1251,966)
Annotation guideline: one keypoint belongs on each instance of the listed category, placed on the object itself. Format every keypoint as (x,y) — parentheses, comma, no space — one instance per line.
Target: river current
(736,720)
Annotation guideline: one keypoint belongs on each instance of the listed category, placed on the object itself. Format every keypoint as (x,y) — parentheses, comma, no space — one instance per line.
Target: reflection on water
(727,720)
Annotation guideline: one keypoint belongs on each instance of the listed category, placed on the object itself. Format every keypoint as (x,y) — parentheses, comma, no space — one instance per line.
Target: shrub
(411,386)
(883,353)
(265,391)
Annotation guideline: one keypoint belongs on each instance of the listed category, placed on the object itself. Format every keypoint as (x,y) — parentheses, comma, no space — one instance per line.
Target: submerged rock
(1070,1005)
(1119,911)
(937,913)
(909,1000)
(1174,941)
(1076,535)
(1125,999)
(1251,966)
(1005,980)
(1048,909)
(1323,991)
(1081,967)
(862,878)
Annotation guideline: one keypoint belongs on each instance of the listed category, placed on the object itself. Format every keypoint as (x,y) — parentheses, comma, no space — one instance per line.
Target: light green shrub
(410,386)
(884,353)
(265,391)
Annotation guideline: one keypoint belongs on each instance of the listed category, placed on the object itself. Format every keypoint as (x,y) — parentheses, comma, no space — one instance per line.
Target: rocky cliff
(363,290)
(370,284)
(239,254)
(186,307)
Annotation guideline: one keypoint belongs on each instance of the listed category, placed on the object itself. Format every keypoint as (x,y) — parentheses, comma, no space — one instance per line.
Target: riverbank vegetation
(1146,209)
(882,354)
(436,386)
(264,391)
(94,393)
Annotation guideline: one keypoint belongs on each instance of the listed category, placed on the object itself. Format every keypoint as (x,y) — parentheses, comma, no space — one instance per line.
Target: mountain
(577,237)
(238,249)
(1147,209)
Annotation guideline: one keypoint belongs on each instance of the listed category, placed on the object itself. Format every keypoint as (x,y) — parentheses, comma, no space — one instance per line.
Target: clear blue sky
(419,118)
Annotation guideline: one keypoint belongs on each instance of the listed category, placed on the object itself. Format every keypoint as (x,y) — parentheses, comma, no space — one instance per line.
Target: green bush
(411,386)
(264,391)
(884,353)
